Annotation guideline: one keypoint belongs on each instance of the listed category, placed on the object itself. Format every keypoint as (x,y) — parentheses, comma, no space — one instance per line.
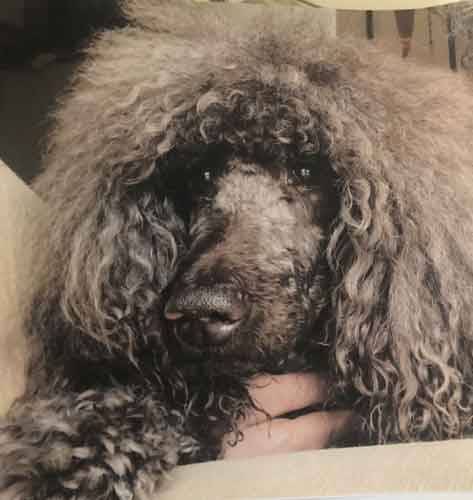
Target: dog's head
(252,279)
(249,181)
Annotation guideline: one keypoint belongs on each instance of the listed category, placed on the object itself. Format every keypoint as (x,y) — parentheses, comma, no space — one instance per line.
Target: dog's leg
(109,445)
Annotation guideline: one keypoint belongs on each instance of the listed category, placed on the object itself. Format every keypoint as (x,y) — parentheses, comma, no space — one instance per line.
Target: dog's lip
(220,329)
(173,315)
(192,353)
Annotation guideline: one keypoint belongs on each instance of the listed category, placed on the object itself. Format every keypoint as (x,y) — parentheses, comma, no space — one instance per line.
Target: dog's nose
(209,315)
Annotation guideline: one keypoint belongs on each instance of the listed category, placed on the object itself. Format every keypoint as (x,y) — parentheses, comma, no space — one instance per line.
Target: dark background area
(40,46)
(37,26)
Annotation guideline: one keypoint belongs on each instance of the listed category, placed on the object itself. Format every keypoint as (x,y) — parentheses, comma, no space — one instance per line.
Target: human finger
(309,432)
(281,394)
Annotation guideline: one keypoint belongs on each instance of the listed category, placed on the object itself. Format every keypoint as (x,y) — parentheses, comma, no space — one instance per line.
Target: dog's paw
(112,445)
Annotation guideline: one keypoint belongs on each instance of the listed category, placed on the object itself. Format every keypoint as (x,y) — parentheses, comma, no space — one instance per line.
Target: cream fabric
(381,4)
(446,466)
(18,204)
(417,467)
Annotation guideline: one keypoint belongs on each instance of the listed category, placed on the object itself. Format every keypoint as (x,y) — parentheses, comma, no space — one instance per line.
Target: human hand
(279,395)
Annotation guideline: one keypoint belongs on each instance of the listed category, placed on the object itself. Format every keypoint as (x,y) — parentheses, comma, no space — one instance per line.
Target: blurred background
(41,42)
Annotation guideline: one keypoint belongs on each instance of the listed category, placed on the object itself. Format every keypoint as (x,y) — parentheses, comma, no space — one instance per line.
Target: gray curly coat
(228,198)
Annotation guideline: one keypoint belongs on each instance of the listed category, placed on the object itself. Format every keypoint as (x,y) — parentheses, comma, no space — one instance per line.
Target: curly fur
(372,266)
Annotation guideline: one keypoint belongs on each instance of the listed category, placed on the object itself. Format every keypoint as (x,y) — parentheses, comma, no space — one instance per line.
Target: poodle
(230,195)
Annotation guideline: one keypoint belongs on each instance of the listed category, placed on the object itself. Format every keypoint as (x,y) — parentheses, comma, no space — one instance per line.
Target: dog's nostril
(215,313)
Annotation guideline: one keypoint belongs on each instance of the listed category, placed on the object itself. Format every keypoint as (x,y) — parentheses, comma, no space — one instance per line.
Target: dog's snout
(208,315)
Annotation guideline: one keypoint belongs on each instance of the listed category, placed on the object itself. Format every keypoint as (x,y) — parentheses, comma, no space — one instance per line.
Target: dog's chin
(245,360)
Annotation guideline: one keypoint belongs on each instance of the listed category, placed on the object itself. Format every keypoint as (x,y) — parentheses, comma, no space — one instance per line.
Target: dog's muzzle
(207,315)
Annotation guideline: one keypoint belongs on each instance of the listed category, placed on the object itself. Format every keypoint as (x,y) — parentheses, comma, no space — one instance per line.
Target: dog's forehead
(244,166)
(247,167)
(250,187)
(252,174)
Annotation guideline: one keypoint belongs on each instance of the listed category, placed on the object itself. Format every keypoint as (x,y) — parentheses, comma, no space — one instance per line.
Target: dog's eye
(308,171)
(201,182)
(300,176)
(305,173)
(201,178)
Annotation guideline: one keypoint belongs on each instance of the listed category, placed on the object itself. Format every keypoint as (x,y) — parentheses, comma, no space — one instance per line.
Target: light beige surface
(357,4)
(18,204)
(446,466)
(425,467)
(381,4)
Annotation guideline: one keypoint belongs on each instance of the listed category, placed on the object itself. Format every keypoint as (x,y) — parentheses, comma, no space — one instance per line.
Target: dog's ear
(108,249)
(110,241)
(401,251)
